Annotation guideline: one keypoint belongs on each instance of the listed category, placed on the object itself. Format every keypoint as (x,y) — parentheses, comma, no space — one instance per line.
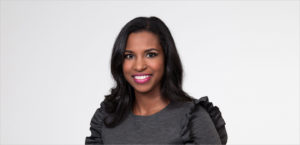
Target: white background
(243,55)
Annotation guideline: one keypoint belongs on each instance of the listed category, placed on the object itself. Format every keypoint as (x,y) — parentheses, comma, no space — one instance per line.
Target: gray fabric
(175,124)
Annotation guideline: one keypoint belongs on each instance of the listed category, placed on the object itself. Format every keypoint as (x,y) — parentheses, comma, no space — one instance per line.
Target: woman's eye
(128,56)
(152,54)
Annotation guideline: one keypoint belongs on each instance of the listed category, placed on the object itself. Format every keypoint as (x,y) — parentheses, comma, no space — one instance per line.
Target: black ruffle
(96,126)
(216,117)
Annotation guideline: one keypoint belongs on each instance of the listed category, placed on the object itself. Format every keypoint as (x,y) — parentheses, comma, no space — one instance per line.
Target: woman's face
(143,66)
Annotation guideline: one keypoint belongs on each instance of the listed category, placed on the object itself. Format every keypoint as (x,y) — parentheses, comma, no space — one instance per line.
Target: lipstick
(141,78)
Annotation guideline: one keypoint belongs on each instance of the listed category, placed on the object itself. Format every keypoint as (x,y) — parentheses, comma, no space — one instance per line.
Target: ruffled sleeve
(96,127)
(204,124)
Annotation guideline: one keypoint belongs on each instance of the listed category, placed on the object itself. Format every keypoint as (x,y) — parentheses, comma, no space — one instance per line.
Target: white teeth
(141,77)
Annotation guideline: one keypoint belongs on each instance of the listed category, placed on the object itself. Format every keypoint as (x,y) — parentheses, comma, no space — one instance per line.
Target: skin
(144,55)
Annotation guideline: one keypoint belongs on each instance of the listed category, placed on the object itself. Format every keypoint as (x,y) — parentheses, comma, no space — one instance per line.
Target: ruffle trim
(215,115)
(96,126)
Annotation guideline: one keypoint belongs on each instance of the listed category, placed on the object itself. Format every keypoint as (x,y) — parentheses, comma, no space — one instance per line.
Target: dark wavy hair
(119,103)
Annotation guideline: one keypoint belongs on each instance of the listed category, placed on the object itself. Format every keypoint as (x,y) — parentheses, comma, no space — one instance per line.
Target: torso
(163,127)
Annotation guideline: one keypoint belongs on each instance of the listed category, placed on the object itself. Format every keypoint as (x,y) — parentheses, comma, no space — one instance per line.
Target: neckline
(152,115)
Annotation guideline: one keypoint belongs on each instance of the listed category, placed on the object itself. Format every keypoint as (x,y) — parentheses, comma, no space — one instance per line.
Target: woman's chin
(142,91)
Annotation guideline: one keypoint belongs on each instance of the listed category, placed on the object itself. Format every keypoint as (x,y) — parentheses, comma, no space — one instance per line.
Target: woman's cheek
(126,68)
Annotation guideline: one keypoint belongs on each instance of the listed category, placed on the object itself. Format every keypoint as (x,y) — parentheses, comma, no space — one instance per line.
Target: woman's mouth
(142,78)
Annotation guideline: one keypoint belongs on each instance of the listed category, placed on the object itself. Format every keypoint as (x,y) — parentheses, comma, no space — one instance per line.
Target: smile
(141,78)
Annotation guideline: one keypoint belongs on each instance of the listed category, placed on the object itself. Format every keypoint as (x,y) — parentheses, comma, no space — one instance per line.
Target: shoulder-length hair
(119,103)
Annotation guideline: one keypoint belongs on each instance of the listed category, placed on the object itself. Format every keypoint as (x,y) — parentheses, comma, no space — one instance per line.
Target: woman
(148,105)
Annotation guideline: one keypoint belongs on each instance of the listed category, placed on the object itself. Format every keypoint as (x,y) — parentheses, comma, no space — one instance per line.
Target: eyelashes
(128,56)
(151,54)
(148,55)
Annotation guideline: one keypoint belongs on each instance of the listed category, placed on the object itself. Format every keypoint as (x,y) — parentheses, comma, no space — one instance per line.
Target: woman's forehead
(142,40)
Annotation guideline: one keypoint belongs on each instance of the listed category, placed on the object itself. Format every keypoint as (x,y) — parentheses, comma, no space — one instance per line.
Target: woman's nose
(140,65)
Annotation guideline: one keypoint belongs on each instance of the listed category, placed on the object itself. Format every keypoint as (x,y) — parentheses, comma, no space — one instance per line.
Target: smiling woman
(143,66)
(148,105)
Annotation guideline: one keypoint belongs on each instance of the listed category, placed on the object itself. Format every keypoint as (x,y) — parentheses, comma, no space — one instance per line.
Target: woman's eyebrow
(151,49)
(129,51)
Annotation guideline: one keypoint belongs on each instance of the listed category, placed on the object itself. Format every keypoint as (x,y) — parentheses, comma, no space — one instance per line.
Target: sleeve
(205,124)
(96,128)
(216,117)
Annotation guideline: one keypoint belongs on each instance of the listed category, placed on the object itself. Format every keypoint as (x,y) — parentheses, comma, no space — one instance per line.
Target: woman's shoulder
(196,106)
(203,111)
(99,114)
(96,125)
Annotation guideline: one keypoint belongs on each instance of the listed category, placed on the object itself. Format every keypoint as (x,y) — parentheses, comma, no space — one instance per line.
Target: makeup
(142,78)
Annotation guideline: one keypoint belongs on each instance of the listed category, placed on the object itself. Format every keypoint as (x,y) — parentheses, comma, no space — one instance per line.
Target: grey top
(177,123)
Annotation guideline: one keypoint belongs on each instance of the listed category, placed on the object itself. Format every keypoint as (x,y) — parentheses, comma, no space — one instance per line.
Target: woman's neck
(149,103)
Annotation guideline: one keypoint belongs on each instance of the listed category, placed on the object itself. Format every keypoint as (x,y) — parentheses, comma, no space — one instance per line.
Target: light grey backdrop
(55,57)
